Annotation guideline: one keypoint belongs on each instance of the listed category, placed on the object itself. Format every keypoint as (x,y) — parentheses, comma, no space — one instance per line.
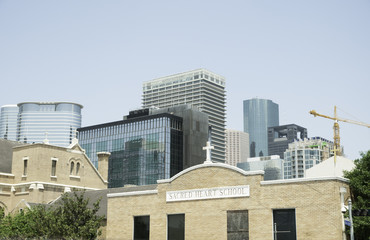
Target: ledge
(298,180)
(128,194)
(74,177)
(22,193)
(6,175)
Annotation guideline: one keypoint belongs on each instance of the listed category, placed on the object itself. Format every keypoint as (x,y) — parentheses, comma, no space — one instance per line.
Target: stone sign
(208,193)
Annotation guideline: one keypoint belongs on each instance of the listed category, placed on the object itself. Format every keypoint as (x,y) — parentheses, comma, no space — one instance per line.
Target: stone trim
(7,174)
(221,165)
(47,184)
(21,193)
(298,180)
(127,194)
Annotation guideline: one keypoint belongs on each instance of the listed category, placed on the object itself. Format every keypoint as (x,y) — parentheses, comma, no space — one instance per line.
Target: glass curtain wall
(8,122)
(142,151)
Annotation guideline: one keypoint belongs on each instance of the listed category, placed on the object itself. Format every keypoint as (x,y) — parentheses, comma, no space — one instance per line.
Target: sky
(302,55)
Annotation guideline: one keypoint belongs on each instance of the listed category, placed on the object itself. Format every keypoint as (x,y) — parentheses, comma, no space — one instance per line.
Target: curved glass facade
(259,115)
(56,121)
(142,150)
(8,122)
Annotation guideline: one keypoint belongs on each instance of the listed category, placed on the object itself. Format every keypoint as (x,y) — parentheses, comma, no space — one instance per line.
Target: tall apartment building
(304,154)
(279,138)
(8,122)
(149,144)
(237,147)
(200,88)
(259,115)
(36,121)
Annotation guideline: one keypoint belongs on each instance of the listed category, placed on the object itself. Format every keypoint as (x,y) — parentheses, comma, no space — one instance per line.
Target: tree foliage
(69,218)
(360,194)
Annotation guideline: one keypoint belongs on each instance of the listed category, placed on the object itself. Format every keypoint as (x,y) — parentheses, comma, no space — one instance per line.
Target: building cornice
(128,194)
(206,165)
(303,180)
(47,184)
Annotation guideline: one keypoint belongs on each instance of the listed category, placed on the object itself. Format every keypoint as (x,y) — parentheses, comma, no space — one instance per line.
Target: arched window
(72,168)
(77,168)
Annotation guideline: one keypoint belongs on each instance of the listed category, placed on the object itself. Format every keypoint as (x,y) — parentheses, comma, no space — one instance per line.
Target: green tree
(74,219)
(69,218)
(360,194)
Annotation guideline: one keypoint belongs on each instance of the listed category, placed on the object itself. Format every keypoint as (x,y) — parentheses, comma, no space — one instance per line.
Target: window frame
(25,166)
(134,224)
(184,226)
(53,172)
(228,224)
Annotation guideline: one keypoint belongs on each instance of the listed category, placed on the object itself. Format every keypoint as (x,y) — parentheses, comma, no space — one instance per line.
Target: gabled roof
(95,195)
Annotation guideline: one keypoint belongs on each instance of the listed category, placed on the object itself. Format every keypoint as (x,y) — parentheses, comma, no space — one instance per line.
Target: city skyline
(302,55)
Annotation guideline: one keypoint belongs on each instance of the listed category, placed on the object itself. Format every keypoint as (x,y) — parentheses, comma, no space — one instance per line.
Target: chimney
(103,164)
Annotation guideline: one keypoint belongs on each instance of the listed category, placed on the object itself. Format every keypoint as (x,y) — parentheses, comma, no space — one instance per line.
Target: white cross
(208,149)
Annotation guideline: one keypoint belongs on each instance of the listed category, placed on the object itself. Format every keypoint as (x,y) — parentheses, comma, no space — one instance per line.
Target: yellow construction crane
(337,150)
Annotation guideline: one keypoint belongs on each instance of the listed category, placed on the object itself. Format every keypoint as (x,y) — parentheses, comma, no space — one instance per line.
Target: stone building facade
(40,173)
(219,201)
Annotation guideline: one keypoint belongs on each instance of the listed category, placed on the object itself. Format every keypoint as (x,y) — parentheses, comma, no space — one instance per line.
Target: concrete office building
(273,166)
(35,121)
(259,115)
(304,154)
(8,122)
(149,144)
(200,88)
(237,147)
(279,138)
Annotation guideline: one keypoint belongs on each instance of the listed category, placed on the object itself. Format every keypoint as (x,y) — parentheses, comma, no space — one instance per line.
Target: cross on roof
(208,149)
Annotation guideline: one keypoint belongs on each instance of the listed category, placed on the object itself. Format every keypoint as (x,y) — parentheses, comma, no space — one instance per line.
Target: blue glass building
(56,121)
(8,122)
(144,148)
(259,115)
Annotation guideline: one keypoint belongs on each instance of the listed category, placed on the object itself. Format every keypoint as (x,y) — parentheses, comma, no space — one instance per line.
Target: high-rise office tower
(149,144)
(8,122)
(54,121)
(200,88)
(237,147)
(259,114)
(279,138)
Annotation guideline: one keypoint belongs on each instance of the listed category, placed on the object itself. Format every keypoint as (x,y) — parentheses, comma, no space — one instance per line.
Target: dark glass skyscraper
(259,115)
(148,145)
(279,138)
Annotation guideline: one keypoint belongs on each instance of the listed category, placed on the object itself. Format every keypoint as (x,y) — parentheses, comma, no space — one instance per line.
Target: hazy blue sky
(302,55)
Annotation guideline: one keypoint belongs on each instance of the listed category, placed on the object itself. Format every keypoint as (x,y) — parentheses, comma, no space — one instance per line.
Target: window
(141,227)
(77,168)
(237,225)
(284,224)
(25,163)
(53,167)
(72,168)
(176,227)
